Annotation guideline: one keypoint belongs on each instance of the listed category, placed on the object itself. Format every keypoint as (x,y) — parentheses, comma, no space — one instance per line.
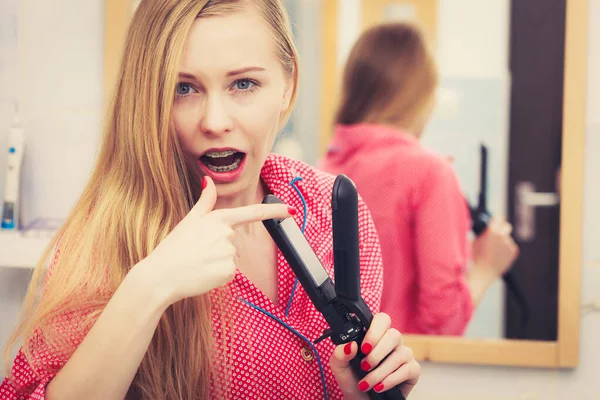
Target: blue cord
(287,309)
(301,336)
(305,207)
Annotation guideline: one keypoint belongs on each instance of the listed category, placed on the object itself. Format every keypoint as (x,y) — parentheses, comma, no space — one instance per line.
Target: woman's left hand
(399,368)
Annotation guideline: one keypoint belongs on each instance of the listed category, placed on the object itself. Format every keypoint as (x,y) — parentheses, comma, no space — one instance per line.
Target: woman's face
(231,94)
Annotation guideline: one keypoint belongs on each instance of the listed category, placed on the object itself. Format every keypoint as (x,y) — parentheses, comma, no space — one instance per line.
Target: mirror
(517,86)
(511,83)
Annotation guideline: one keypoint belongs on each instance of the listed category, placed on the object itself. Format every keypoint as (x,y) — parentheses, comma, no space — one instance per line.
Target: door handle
(526,201)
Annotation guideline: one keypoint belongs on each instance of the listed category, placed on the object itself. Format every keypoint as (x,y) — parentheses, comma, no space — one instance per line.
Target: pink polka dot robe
(422,220)
(271,357)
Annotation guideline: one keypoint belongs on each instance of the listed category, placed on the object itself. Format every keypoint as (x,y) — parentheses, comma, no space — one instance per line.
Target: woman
(389,87)
(165,284)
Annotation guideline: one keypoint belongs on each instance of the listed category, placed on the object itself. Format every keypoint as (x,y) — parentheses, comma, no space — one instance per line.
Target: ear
(287,94)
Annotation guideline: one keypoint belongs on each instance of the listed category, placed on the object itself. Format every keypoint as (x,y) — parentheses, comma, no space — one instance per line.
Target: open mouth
(222,161)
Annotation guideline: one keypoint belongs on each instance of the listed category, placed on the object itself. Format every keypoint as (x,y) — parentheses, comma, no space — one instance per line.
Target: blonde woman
(421,216)
(163,283)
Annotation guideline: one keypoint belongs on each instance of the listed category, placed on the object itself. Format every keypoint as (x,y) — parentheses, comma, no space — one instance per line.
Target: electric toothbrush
(15,150)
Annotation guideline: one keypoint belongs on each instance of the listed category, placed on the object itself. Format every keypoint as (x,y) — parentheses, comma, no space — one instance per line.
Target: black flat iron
(340,303)
(480,217)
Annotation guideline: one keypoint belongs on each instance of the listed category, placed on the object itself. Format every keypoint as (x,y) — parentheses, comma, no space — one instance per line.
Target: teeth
(220,154)
(226,168)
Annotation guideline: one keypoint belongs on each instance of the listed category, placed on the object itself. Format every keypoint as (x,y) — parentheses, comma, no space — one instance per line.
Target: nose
(215,119)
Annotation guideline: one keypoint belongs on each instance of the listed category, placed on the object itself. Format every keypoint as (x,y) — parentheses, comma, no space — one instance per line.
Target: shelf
(19,251)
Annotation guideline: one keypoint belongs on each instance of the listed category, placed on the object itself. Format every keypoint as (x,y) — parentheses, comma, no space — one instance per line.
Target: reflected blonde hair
(390,78)
(139,190)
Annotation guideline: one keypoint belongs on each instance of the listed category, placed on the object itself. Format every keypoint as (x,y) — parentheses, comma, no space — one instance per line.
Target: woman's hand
(400,367)
(198,255)
(495,251)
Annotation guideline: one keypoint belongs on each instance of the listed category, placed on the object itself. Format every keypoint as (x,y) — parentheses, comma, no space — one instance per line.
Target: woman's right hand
(198,255)
(495,251)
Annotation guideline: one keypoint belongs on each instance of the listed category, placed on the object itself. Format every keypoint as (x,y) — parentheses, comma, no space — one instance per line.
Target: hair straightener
(481,217)
(341,304)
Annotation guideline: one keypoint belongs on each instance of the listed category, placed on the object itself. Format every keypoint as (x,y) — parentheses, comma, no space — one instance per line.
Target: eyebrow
(230,73)
(244,70)
(187,76)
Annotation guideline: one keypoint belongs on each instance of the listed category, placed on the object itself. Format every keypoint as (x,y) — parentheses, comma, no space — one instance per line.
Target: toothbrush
(10,206)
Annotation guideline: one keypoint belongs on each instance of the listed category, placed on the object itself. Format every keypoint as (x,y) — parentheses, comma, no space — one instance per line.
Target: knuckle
(417,366)
(230,271)
(228,231)
(232,250)
(399,357)
(261,214)
(395,333)
(414,369)
(409,369)
(384,319)
(410,354)
(387,319)
(228,250)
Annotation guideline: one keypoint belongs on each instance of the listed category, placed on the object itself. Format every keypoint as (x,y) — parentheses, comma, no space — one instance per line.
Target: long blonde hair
(139,190)
(390,77)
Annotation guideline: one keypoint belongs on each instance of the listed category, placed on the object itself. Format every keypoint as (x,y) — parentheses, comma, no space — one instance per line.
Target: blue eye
(183,89)
(243,84)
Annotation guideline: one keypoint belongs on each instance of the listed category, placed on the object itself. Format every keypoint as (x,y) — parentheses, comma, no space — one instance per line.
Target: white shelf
(19,251)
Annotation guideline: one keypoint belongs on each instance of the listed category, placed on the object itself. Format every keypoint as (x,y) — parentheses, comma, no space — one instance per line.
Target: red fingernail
(292,210)
(378,387)
(365,366)
(204,182)
(366,348)
(348,348)
(363,386)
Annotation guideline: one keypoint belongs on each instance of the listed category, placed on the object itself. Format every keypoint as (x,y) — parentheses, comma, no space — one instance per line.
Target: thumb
(208,198)
(340,366)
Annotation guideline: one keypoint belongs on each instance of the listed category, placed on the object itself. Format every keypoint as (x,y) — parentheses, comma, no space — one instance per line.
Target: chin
(231,189)
(236,192)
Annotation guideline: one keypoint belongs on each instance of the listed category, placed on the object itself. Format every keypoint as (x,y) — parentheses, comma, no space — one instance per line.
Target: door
(536,65)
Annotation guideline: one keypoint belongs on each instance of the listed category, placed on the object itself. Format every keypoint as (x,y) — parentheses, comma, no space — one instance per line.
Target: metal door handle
(526,200)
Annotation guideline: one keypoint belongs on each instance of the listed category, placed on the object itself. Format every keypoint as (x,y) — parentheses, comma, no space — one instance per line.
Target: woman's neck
(252,195)
(410,131)
(413,127)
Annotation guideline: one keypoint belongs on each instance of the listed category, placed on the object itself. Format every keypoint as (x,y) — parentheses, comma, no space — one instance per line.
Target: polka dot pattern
(422,220)
(263,359)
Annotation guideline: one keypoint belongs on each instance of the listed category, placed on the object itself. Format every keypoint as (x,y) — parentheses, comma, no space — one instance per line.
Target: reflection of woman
(419,211)
(167,285)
